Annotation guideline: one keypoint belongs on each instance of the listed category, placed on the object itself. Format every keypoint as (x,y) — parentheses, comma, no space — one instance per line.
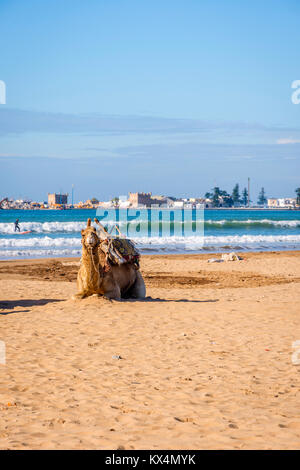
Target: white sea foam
(44,227)
(39,242)
(53,247)
(276,223)
(69,227)
(12,254)
(199,243)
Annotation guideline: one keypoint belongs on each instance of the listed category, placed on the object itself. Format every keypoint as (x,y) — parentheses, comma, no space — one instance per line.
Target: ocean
(57,233)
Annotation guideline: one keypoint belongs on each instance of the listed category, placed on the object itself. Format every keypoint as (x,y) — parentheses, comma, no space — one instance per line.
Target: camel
(94,277)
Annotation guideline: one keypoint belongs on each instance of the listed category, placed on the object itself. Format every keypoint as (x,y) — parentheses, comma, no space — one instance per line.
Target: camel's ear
(82,232)
(89,222)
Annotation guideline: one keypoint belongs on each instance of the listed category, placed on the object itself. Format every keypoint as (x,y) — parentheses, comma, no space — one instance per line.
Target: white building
(286,202)
(178,204)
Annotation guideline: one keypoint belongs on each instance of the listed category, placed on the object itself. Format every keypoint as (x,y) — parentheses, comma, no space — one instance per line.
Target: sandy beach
(204,362)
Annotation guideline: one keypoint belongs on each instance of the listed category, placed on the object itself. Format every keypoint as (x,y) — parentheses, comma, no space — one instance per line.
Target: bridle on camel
(90,250)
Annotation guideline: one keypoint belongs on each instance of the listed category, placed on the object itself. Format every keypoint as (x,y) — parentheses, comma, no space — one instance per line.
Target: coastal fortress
(57,199)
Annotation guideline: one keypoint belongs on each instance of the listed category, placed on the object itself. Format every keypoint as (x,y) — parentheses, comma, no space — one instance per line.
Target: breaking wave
(56,247)
(75,227)
(44,227)
(252,222)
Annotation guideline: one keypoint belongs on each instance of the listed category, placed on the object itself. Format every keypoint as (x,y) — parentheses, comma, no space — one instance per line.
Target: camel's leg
(82,292)
(81,295)
(112,292)
(138,290)
(113,295)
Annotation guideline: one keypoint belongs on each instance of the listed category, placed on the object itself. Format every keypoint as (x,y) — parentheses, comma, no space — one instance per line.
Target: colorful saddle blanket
(120,250)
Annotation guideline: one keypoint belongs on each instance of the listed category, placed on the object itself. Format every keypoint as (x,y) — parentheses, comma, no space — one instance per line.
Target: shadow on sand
(151,299)
(11,304)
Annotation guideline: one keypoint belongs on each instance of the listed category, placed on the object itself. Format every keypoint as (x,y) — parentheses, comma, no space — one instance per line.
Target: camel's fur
(119,281)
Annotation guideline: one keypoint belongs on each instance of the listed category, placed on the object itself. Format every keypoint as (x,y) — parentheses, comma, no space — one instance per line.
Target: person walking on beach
(17,226)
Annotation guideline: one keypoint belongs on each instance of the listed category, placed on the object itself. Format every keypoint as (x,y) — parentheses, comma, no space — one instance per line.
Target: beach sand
(204,363)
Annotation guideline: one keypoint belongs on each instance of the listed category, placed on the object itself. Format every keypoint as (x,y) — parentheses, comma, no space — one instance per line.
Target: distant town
(217,199)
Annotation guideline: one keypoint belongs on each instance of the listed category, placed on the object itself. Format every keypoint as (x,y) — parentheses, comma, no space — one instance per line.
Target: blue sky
(172,97)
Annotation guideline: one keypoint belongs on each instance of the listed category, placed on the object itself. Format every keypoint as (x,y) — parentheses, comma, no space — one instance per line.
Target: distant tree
(227,200)
(297,191)
(207,195)
(262,200)
(236,194)
(244,199)
(220,197)
(216,196)
(94,200)
(223,193)
(115,201)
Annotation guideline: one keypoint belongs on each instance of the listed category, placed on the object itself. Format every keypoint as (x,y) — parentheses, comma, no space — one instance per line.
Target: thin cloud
(288,141)
(16,121)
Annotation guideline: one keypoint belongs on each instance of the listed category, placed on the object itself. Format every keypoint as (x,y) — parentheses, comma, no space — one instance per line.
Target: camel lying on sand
(119,281)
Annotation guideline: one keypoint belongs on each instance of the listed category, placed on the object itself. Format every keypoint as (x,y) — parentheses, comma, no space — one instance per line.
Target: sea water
(57,233)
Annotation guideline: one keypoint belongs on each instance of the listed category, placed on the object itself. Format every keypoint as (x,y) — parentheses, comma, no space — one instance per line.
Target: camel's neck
(91,258)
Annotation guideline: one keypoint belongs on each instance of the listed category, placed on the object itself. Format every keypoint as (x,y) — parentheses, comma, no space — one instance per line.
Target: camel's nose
(90,240)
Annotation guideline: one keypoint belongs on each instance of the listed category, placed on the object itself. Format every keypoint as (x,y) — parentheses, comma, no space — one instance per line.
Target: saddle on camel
(117,250)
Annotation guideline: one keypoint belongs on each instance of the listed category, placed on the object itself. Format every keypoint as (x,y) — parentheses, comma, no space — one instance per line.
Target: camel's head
(89,237)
